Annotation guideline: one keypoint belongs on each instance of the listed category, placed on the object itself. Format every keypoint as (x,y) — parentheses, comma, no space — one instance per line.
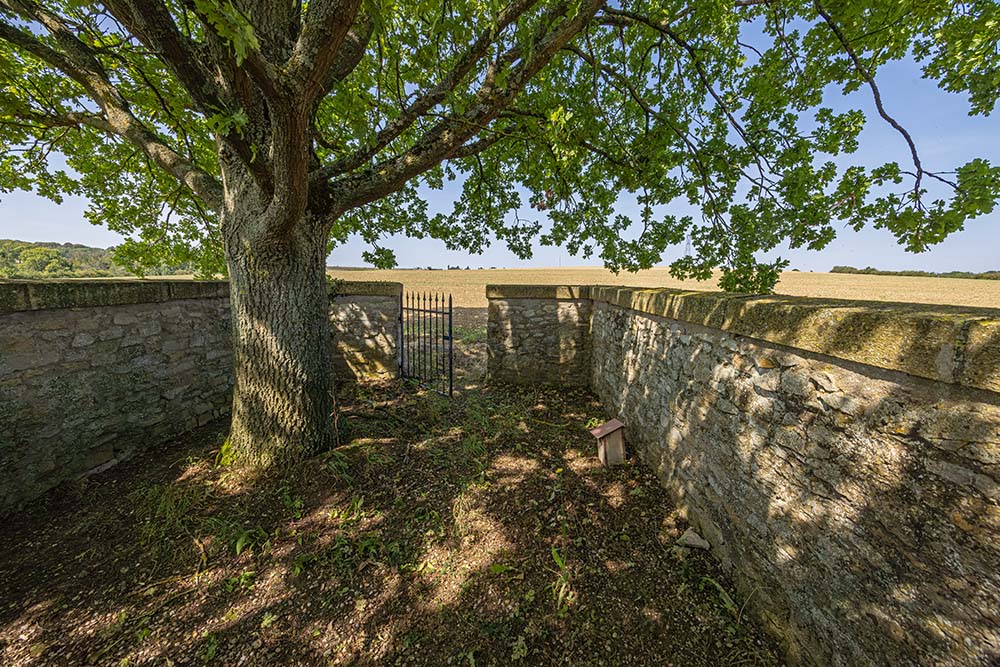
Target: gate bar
(451,353)
(423,355)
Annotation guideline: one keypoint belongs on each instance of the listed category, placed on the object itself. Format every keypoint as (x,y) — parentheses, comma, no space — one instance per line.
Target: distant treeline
(24,259)
(985,275)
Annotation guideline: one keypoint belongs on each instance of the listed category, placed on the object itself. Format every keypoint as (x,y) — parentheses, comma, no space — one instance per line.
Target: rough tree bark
(275,224)
(282,397)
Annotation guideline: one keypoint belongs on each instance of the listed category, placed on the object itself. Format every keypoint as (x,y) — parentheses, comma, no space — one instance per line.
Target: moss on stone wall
(537,292)
(24,295)
(91,370)
(952,344)
(367,288)
(856,509)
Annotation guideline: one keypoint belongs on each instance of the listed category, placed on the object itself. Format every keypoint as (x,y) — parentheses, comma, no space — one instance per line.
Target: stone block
(111,333)
(150,328)
(175,344)
(83,340)
(797,382)
(768,381)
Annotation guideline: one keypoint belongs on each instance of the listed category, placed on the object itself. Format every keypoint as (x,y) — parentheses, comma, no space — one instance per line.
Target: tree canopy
(578,103)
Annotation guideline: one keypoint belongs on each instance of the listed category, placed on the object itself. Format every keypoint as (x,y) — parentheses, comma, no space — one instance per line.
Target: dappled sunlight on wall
(855,505)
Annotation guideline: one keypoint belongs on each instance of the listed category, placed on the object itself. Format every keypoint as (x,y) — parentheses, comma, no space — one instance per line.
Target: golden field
(469,287)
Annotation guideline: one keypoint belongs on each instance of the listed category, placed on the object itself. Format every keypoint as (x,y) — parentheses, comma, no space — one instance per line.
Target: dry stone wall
(542,336)
(364,324)
(93,371)
(856,504)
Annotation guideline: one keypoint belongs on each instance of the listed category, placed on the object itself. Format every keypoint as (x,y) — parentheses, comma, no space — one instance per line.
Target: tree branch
(449,134)
(351,51)
(607,72)
(476,147)
(699,66)
(70,119)
(326,26)
(151,23)
(80,64)
(877,95)
(437,94)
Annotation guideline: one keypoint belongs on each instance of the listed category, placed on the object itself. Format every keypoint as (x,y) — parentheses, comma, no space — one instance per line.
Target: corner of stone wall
(953,344)
(29,295)
(91,368)
(94,370)
(838,455)
(344,288)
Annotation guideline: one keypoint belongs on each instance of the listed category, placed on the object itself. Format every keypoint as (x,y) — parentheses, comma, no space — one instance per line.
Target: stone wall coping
(29,295)
(566,292)
(26,295)
(365,288)
(954,344)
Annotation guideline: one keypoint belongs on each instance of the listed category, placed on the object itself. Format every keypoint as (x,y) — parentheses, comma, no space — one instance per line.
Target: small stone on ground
(693,540)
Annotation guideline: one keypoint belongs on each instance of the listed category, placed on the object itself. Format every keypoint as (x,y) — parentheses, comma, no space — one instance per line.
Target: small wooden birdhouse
(610,442)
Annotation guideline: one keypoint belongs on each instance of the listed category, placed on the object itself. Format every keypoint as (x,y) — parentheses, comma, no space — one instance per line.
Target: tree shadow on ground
(857,507)
(479,530)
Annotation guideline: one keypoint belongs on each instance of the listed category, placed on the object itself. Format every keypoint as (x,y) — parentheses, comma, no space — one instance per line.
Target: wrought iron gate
(426,354)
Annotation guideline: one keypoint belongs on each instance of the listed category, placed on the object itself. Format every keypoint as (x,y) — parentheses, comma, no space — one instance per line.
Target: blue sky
(938,121)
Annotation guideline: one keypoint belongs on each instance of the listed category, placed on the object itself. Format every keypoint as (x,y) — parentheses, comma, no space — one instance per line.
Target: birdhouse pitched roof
(606,428)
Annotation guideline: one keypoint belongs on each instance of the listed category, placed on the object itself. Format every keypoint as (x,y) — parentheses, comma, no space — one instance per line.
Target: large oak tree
(264,132)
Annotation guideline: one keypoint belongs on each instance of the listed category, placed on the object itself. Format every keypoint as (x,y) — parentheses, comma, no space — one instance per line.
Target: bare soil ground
(469,287)
(473,531)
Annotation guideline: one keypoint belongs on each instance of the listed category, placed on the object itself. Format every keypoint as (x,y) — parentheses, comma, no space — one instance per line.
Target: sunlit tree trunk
(282,400)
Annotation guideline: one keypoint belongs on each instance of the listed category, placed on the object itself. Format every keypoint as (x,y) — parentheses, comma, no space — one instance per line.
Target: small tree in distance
(253,136)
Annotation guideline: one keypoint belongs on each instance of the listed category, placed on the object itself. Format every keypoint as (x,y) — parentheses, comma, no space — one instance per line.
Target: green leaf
(230,25)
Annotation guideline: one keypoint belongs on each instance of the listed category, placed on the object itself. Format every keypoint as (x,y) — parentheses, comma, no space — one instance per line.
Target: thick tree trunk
(282,401)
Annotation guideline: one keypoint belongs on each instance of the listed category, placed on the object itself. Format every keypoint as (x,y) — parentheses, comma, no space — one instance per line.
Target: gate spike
(406,336)
(420,337)
(430,359)
(444,351)
(414,340)
(400,340)
(414,352)
(406,325)
(430,340)
(402,334)
(409,342)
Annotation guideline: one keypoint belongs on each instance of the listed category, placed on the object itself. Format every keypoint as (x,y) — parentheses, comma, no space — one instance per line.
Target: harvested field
(468,287)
